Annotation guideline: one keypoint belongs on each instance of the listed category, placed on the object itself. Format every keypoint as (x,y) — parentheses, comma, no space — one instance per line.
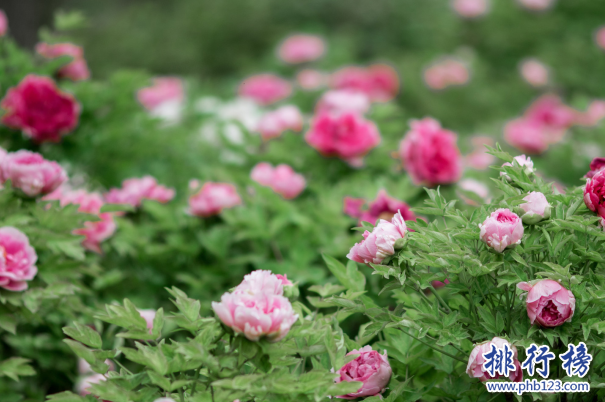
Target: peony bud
(135,190)
(282,179)
(523,161)
(369,367)
(17,259)
(212,198)
(475,361)
(548,303)
(594,193)
(31,173)
(383,207)
(535,209)
(380,243)
(501,229)
(265,89)
(148,315)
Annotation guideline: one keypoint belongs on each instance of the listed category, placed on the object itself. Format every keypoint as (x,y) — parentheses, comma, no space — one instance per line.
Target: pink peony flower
(594,193)
(552,115)
(77,69)
(526,135)
(148,315)
(282,179)
(602,223)
(475,361)
(473,186)
(600,37)
(523,161)
(343,101)
(534,72)
(3,23)
(164,98)
(85,383)
(31,173)
(40,109)
(301,48)
(17,259)
(430,154)
(501,229)
(536,5)
(593,115)
(369,367)
(383,207)
(135,190)
(284,280)
(265,89)
(470,8)
(548,302)
(379,82)
(212,198)
(311,80)
(596,166)
(347,136)
(479,158)
(446,72)
(536,208)
(262,173)
(257,308)
(380,243)
(274,123)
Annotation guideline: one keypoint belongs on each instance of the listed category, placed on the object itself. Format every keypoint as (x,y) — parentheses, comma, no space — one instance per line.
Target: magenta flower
(282,179)
(369,367)
(265,89)
(40,110)
(594,193)
(17,259)
(31,173)
(596,166)
(502,229)
(380,243)
(536,208)
(301,48)
(548,303)
(274,123)
(135,190)
(343,101)
(383,207)
(526,135)
(212,198)
(75,70)
(475,361)
(430,154)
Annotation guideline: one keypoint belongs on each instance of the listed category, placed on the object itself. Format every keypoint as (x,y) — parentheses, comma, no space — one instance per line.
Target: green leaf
(16,367)
(66,396)
(84,334)
(348,276)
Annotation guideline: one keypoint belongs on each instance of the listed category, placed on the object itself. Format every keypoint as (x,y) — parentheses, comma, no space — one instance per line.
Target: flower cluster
(76,69)
(273,124)
(383,207)
(135,190)
(282,179)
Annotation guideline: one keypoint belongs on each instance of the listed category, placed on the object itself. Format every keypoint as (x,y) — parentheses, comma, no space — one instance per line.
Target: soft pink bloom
(536,5)
(212,198)
(75,70)
(369,367)
(470,8)
(523,161)
(148,315)
(475,361)
(284,280)
(379,82)
(473,186)
(135,190)
(282,179)
(163,89)
(501,229)
(446,72)
(593,115)
(85,383)
(347,136)
(39,109)
(554,116)
(273,124)
(594,193)
(342,101)
(380,243)
(600,37)
(17,259)
(596,166)
(265,89)
(439,284)
(310,80)
(31,173)
(548,302)
(383,207)
(257,308)
(536,73)
(479,158)
(301,48)
(170,400)
(536,208)
(84,366)
(430,154)
(526,135)
(602,223)
(3,23)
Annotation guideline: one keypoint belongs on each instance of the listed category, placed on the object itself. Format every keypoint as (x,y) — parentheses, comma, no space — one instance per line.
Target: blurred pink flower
(342,101)
(212,198)
(273,124)
(164,98)
(600,37)
(284,280)
(593,115)
(380,243)
(311,80)
(347,136)
(148,315)
(282,179)
(135,190)
(265,89)
(476,187)
(39,109)
(596,166)
(379,82)
(446,72)
(31,173)
(554,116)
(475,369)
(470,8)
(479,158)
(594,193)
(501,230)
(526,135)
(17,259)
(383,207)
(439,284)
(430,154)
(85,383)
(548,303)
(75,70)
(301,48)
(3,23)
(536,5)
(84,366)
(370,368)
(535,72)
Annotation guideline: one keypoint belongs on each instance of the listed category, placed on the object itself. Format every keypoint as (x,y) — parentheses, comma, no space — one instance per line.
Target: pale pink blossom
(536,208)
(446,72)
(479,158)
(343,101)
(593,115)
(536,5)
(273,124)
(311,80)
(135,190)
(301,48)
(284,280)
(476,187)
(502,229)
(380,242)
(470,8)
(383,207)
(76,69)
(148,315)
(526,135)
(600,37)
(548,303)
(168,400)
(554,116)
(164,98)
(475,369)
(265,89)
(84,366)
(17,259)
(85,383)
(3,23)
(282,179)
(370,368)
(262,282)
(212,198)
(31,173)
(536,73)
(430,153)
(523,161)
(379,82)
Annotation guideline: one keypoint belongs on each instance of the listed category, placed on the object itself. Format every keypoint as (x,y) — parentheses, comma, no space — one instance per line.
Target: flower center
(550,312)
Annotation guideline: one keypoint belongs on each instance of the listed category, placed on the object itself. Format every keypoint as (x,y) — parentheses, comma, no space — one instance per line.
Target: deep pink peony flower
(284,280)
(301,48)
(77,69)
(596,166)
(265,89)
(38,108)
(600,37)
(501,229)
(273,124)
(536,208)
(31,173)
(17,259)
(3,23)
(379,82)
(282,179)
(262,282)
(212,198)
(371,368)
(548,303)
(446,72)
(479,158)
(439,284)
(343,101)
(311,80)
(148,315)
(534,72)
(536,5)
(135,190)
(383,207)
(429,153)
(347,136)
(526,135)
(553,116)
(380,243)
(594,193)
(475,361)
(470,8)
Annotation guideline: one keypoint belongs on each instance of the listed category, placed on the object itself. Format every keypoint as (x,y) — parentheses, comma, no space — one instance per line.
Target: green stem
(441,301)
(433,347)
(195,380)
(508,324)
